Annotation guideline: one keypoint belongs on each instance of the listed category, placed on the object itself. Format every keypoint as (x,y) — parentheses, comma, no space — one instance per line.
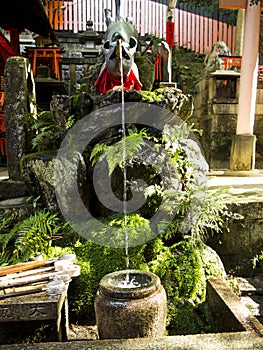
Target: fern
(192,210)
(30,236)
(43,127)
(114,154)
(4,259)
(7,218)
(97,151)
(71,121)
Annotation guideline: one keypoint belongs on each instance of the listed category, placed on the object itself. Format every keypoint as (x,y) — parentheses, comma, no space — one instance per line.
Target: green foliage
(175,256)
(187,318)
(4,258)
(153,96)
(8,219)
(180,266)
(187,67)
(55,251)
(71,121)
(114,153)
(112,229)
(182,274)
(180,270)
(97,152)
(44,129)
(95,262)
(82,292)
(30,236)
(199,211)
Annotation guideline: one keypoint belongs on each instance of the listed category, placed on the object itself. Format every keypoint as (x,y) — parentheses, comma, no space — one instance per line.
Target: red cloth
(158,72)
(6,48)
(106,82)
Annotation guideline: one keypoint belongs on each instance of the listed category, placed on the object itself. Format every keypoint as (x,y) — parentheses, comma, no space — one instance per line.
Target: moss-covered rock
(97,261)
(171,98)
(38,173)
(182,268)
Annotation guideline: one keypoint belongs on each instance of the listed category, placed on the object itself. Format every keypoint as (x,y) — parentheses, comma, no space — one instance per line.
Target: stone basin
(130,304)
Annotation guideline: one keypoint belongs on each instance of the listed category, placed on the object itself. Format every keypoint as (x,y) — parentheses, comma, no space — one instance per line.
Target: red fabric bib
(106,82)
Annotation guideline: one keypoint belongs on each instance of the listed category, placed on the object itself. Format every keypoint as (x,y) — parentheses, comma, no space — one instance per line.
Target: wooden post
(239,33)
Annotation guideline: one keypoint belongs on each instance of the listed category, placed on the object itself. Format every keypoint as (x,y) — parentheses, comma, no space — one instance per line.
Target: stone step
(251,290)
(12,189)
(212,341)
(19,205)
(14,203)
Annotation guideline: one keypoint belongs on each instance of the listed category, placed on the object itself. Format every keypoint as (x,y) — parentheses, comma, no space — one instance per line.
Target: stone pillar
(73,80)
(19,100)
(243,153)
(248,89)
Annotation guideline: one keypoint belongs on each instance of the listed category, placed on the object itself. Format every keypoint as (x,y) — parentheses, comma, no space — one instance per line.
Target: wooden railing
(194,31)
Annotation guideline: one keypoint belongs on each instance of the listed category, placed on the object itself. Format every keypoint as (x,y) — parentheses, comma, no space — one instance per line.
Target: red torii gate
(243,148)
(6,48)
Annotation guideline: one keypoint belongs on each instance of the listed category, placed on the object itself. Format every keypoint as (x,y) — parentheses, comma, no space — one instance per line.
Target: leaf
(124,150)
(97,152)
(120,152)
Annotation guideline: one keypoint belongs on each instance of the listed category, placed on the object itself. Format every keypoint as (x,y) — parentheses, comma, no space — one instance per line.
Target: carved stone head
(120,44)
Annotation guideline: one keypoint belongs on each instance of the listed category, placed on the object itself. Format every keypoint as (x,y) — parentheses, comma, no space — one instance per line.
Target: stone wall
(238,244)
(217,117)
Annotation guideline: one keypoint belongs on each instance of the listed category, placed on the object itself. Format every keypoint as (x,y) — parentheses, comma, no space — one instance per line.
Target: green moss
(180,270)
(172,99)
(179,267)
(183,269)
(95,262)
(187,318)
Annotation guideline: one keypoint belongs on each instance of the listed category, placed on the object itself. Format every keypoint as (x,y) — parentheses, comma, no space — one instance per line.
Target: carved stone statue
(212,60)
(119,48)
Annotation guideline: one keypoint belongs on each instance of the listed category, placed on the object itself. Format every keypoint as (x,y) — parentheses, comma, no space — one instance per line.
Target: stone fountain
(130,309)
(129,303)
(144,302)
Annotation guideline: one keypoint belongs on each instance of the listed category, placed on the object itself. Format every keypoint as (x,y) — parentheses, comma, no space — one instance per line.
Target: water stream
(124,163)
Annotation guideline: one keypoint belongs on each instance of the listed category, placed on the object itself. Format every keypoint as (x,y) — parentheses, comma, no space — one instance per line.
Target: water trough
(234,327)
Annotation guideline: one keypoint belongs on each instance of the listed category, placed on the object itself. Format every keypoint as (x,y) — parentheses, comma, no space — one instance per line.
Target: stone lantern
(90,39)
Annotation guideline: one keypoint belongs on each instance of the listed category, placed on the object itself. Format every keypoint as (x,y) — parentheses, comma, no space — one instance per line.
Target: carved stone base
(243,152)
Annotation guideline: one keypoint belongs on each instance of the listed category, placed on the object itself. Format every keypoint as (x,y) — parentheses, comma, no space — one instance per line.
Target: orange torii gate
(243,148)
